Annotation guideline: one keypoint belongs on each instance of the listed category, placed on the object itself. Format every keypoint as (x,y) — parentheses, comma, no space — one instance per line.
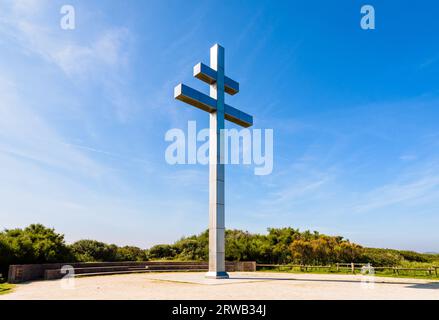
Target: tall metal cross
(219,112)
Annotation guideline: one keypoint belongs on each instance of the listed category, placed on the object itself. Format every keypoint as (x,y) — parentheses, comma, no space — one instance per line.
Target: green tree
(346,252)
(34,244)
(162,251)
(302,251)
(280,240)
(381,257)
(131,253)
(92,250)
(193,248)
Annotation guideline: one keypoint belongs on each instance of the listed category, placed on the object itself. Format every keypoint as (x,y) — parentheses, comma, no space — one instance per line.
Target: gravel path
(256,285)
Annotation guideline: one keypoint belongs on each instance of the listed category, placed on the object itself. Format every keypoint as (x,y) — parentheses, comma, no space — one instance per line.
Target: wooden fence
(351,267)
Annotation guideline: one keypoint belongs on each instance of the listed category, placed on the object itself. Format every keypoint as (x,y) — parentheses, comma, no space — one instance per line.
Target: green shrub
(130,253)
(412,256)
(34,244)
(162,251)
(244,246)
(381,257)
(92,250)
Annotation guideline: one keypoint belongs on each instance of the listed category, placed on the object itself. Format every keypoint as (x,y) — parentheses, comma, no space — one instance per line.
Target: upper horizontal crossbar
(208,75)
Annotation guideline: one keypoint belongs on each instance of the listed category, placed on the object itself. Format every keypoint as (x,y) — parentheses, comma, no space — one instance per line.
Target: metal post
(216,174)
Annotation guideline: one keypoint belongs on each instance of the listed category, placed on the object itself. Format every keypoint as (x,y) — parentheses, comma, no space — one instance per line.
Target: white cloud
(408,157)
(296,191)
(107,51)
(87,57)
(25,134)
(25,7)
(46,180)
(410,188)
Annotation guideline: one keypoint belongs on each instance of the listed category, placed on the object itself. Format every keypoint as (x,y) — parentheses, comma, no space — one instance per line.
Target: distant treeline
(38,244)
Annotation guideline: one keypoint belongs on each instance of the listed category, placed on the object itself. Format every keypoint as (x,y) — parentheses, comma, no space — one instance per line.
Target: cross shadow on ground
(429,285)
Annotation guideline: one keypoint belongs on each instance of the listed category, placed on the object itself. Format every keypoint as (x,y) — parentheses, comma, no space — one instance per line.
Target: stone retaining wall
(30,272)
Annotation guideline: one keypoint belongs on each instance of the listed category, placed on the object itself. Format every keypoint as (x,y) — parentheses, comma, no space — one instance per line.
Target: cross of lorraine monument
(219,112)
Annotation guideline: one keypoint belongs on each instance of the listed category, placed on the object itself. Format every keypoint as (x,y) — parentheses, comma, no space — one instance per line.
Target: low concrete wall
(249,266)
(30,272)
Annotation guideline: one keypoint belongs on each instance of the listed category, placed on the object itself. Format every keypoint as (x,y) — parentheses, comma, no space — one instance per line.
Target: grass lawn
(6,288)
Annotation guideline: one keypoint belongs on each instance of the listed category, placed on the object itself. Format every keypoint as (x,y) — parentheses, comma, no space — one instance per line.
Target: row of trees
(38,244)
(286,245)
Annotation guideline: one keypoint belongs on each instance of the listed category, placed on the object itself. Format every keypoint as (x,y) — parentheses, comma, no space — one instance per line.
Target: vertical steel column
(217,268)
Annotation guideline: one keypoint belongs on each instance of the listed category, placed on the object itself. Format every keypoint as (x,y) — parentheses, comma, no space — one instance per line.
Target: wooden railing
(352,267)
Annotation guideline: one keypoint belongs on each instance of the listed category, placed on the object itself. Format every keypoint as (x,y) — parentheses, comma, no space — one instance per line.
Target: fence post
(338,267)
(353,267)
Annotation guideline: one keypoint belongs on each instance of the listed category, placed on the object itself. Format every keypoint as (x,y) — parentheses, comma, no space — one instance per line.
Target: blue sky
(83,114)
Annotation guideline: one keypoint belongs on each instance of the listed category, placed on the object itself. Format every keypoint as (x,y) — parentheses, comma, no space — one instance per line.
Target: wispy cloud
(99,58)
(408,157)
(24,22)
(107,51)
(24,133)
(342,170)
(412,187)
(187,177)
(428,62)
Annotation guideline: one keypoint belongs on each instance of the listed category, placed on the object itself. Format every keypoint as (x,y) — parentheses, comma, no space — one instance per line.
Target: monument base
(217,275)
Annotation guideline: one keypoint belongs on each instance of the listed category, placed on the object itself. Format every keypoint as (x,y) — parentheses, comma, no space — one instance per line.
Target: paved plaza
(255,285)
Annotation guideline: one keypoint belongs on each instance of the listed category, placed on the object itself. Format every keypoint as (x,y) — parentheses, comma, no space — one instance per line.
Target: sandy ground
(255,285)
